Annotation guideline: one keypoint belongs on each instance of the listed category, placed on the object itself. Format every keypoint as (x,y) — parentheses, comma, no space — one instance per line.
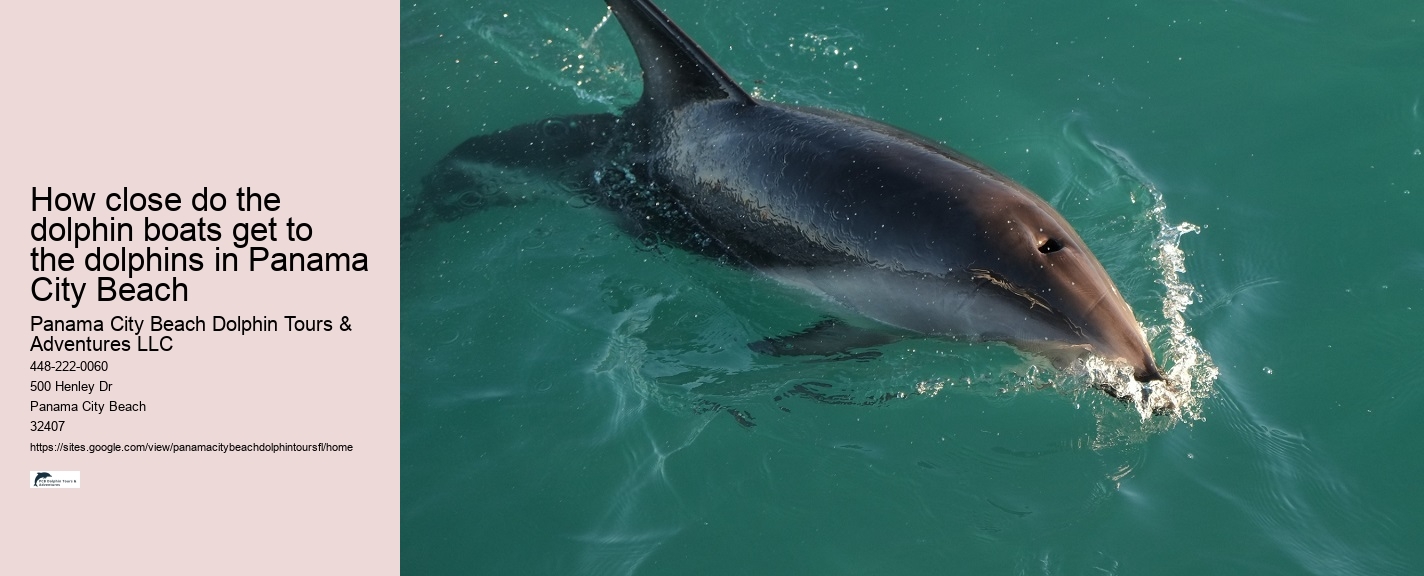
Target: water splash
(1189,370)
(562,56)
(828,50)
(1112,197)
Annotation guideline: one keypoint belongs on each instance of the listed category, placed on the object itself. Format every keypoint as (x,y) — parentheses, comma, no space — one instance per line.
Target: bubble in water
(852,65)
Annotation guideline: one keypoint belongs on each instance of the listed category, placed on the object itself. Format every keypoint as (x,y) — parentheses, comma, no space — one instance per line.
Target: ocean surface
(578,401)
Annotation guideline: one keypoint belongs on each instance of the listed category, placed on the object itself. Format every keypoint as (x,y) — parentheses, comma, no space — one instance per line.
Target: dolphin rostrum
(892,229)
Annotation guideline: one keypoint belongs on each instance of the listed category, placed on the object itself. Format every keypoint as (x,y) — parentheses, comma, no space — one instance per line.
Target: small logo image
(54,479)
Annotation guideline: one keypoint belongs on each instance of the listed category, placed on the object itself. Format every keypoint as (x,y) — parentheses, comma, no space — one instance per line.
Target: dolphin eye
(470,199)
(1050,246)
(554,128)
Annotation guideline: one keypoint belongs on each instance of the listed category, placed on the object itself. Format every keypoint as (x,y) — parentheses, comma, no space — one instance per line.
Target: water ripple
(1300,499)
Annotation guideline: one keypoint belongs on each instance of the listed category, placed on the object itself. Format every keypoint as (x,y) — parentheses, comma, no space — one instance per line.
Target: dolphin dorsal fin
(675,70)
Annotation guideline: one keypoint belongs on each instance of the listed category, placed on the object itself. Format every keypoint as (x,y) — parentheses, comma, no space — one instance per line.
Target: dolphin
(900,235)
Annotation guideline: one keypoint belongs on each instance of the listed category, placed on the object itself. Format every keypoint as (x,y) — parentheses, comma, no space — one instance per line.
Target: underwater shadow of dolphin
(902,236)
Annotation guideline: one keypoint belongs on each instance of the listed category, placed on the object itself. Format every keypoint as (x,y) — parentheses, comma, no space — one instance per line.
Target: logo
(54,479)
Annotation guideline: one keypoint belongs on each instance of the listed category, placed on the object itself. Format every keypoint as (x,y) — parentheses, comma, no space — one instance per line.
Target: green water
(559,379)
